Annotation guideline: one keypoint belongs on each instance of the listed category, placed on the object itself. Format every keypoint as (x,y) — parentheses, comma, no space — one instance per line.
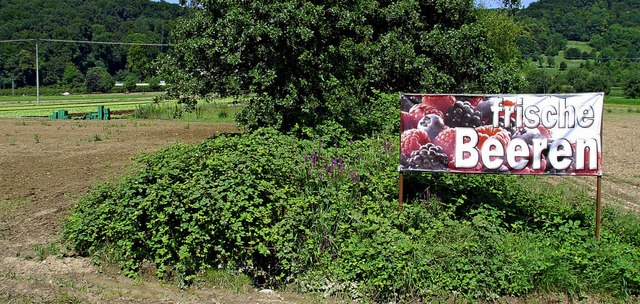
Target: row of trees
(136,21)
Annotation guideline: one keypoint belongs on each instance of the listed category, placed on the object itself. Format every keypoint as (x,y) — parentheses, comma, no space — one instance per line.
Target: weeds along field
(264,218)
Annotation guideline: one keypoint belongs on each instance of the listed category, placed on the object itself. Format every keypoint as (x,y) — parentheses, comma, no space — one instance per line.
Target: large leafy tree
(314,61)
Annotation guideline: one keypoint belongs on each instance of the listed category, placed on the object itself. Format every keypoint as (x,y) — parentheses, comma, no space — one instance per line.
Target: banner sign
(513,134)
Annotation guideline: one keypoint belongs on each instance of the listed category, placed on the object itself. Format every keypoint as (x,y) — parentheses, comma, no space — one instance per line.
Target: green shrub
(154,84)
(632,86)
(322,215)
(130,82)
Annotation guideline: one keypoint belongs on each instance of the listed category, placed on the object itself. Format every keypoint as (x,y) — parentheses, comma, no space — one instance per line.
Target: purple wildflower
(330,168)
(354,177)
(387,145)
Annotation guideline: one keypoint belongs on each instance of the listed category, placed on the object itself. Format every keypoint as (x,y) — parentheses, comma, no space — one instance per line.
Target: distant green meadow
(221,109)
(27,106)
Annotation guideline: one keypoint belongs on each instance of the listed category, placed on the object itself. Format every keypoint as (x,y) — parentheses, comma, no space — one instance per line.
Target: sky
(487,3)
(496,3)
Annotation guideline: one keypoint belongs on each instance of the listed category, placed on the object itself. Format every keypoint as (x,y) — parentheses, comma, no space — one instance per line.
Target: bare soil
(46,165)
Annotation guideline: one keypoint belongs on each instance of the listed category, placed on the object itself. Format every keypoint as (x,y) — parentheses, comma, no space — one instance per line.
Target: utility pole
(13,85)
(37,76)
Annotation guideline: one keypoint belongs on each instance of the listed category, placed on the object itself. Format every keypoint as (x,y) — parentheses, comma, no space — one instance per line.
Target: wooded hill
(102,20)
(611,27)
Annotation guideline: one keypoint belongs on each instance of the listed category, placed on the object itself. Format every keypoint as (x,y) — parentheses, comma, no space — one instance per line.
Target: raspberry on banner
(420,110)
(412,140)
(485,132)
(440,102)
(447,140)
(407,121)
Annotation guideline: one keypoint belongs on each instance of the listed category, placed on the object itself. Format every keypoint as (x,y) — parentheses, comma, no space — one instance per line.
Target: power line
(85,41)
(36,40)
(17,40)
(105,42)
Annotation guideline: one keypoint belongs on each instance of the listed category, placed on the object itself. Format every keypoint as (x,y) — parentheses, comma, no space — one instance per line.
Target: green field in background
(26,106)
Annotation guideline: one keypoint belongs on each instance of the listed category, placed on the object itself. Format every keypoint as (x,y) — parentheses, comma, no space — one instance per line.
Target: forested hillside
(102,20)
(587,45)
(611,27)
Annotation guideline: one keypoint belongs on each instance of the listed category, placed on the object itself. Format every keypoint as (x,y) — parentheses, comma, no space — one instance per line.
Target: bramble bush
(321,215)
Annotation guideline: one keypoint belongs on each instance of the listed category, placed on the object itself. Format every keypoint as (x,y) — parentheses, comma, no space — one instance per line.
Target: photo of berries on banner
(557,134)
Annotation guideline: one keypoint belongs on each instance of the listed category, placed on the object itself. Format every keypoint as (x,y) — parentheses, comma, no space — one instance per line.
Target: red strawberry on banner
(475,100)
(508,103)
(546,133)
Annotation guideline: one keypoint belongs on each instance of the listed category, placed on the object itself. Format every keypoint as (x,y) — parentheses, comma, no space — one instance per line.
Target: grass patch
(571,63)
(203,112)
(145,105)
(226,279)
(43,251)
(617,102)
(580,45)
(6,207)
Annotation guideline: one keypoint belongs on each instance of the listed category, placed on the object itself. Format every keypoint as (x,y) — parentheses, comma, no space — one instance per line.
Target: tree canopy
(609,24)
(104,20)
(309,62)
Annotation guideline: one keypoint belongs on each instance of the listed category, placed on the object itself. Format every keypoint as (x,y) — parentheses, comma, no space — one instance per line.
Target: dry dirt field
(46,165)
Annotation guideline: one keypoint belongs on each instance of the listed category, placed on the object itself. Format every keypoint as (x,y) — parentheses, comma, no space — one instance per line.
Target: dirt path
(46,165)
(621,164)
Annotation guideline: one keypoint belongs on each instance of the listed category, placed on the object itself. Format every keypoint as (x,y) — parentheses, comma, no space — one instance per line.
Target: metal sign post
(598,205)
(401,192)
